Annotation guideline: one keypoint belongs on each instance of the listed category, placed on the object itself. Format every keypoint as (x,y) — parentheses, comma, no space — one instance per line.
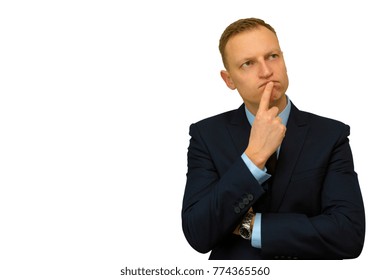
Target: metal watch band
(245,228)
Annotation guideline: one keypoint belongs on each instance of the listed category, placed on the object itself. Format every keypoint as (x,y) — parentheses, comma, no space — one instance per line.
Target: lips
(263,84)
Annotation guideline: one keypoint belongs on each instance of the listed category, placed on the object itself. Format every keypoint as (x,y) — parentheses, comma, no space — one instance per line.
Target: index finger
(265,99)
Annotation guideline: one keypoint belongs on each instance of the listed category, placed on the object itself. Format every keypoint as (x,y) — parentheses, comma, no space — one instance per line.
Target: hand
(267,131)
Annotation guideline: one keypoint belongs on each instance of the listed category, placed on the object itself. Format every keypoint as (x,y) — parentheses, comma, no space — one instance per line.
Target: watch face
(245,233)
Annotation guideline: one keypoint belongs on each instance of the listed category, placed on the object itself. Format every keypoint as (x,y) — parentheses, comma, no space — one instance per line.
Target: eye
(273,56)
(247,64)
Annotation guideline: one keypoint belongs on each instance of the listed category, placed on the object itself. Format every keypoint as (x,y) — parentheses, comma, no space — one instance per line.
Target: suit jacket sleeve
(214,201)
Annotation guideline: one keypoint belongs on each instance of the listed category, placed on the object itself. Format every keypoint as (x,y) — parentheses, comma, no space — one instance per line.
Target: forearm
(321,237)
(213,206)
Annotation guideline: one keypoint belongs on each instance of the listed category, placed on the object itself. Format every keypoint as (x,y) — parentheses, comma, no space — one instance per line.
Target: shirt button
(237,210)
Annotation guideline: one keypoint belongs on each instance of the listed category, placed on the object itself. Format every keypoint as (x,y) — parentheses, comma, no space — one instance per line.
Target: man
(268,181)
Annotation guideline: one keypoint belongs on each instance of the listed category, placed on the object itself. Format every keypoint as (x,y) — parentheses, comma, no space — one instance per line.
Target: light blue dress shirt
(261,175)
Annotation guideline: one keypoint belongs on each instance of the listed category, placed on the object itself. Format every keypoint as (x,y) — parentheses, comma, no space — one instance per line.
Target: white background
(96,98)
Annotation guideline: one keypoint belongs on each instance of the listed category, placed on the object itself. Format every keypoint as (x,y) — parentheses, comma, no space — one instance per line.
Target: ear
(227,79)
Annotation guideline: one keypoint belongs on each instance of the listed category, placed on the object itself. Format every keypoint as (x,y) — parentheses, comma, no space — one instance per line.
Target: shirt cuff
(256,232)
(260,175)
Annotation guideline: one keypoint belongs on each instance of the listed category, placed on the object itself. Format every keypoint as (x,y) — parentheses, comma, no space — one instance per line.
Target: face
(253,59)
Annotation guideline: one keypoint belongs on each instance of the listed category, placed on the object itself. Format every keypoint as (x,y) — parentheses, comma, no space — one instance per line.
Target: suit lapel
(239,129)
(289,153)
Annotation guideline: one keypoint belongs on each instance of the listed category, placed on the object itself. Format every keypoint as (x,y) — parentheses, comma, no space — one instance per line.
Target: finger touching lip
(264,84)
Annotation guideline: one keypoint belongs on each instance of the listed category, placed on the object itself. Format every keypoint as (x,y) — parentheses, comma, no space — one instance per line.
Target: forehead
(253,42)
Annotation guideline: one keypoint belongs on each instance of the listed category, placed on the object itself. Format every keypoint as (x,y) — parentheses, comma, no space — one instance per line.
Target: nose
(265,71)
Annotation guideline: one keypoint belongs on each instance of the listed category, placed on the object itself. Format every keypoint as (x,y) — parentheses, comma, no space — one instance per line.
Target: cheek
(286,82)
(284,73)
(247,86)
(283,77)
(247,81)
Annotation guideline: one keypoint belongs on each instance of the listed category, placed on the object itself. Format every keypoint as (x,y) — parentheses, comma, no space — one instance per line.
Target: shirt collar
(283,115)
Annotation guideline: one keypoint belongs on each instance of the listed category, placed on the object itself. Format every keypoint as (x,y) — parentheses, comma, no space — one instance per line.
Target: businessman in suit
(268,181)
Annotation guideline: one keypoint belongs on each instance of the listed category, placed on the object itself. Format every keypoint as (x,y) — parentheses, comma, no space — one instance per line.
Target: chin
(277,95)
(278,98)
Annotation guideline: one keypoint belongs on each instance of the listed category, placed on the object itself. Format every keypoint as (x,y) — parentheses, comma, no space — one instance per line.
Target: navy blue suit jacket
(312,210)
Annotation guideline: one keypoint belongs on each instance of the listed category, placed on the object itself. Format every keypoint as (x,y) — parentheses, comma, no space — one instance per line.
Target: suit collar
(239,116)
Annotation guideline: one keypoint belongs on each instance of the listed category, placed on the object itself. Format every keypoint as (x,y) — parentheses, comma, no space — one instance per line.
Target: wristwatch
(245,228)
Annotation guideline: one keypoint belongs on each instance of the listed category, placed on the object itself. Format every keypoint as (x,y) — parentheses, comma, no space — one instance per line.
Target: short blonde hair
(238,27)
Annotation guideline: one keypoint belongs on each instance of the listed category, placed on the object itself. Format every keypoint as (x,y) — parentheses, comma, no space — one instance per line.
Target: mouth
(265,83)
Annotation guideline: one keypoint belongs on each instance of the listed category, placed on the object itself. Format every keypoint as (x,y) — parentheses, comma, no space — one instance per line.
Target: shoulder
(325,121)
(320,124)
(228,117)
(219,128)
